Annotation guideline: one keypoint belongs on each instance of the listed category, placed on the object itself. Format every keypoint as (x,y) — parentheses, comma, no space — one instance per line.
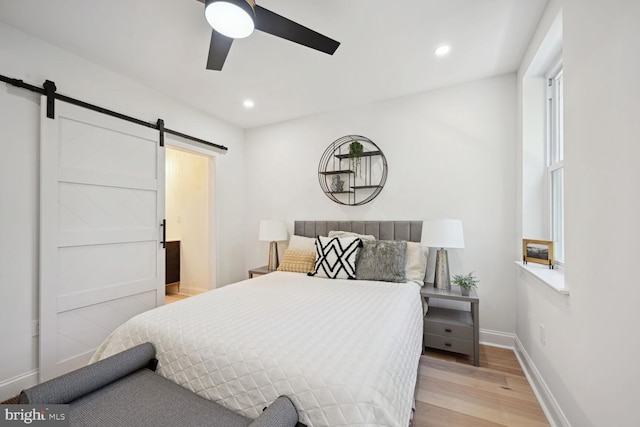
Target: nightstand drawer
(448,343)
(452,323)
(448,330)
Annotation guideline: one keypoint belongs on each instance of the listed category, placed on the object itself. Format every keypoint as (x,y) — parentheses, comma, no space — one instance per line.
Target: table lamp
(442,234)
(273,231)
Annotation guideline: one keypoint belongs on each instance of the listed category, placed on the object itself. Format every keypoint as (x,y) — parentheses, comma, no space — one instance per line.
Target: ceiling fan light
(230,18)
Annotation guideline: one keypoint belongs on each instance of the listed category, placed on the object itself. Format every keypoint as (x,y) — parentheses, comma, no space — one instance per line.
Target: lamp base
(273,257)
(441,279)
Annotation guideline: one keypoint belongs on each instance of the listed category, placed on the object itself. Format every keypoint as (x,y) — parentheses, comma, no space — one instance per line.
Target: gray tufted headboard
(382,230)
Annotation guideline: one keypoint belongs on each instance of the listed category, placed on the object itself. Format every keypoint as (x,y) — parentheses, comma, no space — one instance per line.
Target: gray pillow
(382,260)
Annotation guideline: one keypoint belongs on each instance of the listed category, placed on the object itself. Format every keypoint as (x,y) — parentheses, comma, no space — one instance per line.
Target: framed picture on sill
(538,251)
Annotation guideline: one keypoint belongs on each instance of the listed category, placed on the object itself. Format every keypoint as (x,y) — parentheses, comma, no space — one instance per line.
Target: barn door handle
(164,233)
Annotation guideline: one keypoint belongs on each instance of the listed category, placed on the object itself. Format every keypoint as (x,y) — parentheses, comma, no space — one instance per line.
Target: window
(555,160)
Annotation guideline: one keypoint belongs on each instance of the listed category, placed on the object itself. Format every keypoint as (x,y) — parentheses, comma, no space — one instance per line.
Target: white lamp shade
(442,233)
(272,231)
(230,19)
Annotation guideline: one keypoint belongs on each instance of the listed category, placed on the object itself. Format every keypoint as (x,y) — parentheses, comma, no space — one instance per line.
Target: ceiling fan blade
(218,50)
(279,26)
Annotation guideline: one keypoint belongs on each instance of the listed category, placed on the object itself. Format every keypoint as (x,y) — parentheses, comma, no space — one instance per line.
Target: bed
(345,351)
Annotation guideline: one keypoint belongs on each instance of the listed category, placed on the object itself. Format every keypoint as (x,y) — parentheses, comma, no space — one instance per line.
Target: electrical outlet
(543,339)
(35,328)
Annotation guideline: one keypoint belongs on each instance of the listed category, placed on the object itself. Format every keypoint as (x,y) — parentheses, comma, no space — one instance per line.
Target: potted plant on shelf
(466,282)
(355,153)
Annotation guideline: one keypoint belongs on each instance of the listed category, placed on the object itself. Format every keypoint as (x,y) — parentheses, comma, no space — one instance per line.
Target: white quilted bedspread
(345,351)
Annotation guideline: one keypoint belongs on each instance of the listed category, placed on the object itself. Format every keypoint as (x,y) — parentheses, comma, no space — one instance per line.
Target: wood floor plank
(435,416)
(453,392)
(169,298)
(477,409)
(500,359)
(489,375)
(519,383)
(508,402)
(504,388)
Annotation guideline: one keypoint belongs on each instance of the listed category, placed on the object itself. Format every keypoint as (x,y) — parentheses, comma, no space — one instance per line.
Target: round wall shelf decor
(352,170)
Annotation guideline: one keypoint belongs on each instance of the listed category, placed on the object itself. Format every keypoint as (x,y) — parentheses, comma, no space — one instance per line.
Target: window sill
(552,278)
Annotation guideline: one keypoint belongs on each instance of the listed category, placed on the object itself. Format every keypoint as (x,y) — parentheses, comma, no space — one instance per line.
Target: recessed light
(442,50)
(248,103)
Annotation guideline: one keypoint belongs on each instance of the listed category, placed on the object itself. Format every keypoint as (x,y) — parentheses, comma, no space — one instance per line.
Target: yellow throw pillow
(298,261)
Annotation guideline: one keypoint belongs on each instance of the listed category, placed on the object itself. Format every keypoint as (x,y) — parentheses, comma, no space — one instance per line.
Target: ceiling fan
(232,19)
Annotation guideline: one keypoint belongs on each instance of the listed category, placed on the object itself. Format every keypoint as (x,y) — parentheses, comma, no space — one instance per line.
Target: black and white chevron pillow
(336,257)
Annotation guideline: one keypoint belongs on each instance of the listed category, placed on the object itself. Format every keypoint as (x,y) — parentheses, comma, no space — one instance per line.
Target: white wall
(32,60)
(188,217)
(19,115)
(589,362)
(450,153)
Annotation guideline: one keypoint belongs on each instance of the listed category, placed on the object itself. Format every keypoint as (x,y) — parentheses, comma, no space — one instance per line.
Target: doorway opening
(190,216)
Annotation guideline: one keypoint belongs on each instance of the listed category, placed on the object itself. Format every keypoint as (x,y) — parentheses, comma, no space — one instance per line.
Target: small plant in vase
(355,153)
(466,282)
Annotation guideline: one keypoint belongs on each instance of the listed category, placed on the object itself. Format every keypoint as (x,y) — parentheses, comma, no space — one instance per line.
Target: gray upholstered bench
(124,391)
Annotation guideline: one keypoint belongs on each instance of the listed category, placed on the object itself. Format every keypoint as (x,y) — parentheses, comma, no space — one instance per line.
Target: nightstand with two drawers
(450,329)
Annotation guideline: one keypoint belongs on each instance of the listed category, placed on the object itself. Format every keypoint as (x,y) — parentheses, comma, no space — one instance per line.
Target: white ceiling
(386,51)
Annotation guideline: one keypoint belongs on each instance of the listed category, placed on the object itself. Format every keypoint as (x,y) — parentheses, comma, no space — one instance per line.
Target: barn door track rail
(49,90)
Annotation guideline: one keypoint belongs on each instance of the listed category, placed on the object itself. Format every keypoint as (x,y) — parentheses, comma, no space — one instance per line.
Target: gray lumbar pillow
(382,260)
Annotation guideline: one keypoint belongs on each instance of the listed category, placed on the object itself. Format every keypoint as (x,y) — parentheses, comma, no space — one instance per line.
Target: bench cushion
(146,399)
(119,391)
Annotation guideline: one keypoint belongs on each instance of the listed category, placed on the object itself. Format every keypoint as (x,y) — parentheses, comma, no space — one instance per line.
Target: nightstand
(452,330)
(259,271)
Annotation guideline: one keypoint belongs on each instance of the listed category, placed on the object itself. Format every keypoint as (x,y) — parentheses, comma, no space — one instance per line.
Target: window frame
(554,153)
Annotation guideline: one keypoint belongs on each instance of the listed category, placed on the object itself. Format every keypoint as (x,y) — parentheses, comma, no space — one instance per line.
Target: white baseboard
(13,386)
(549,405)
(497,339)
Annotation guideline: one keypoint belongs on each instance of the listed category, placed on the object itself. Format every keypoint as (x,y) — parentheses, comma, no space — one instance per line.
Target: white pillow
(338,233)
(302,244)
(416,263)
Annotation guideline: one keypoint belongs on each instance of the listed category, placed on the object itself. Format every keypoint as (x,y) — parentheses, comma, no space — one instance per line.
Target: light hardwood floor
(169,298)
(454,393)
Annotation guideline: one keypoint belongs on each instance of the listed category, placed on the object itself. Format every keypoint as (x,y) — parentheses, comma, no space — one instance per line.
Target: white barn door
(101,206)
